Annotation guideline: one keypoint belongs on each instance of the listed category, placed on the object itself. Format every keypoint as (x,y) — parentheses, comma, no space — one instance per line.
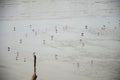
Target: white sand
(98,59)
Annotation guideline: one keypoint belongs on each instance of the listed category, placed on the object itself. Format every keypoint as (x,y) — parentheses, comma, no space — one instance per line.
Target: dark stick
(34,62)
(34,77)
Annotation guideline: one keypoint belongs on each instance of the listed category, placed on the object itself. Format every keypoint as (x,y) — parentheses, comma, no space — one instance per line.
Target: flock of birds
(56,30)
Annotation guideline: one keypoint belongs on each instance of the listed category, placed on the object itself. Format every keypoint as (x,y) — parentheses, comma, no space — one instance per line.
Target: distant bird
(104,27)
(82,34)
(20,41)
(78,64)
(8,48)
(16,57)
(98,33)
(56,56)
(24,59)
(91,61)
(33,30)
(17,53)
(56,30)
(52,37)
(86,27)
(80,40)
(30,26)
(43,41)
(14,29)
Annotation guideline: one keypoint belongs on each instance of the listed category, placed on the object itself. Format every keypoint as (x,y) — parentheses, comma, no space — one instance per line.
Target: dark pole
(34,77)
(34,62)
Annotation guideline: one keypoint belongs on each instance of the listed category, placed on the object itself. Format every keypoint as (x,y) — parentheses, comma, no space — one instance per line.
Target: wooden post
(34,77)
(34,62)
